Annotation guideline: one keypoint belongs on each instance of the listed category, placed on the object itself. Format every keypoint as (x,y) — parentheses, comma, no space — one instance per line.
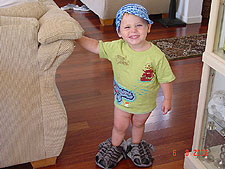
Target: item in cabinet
(222,131)
(211,125)
(220,163)
(208,157)
(216,105)
(222,148)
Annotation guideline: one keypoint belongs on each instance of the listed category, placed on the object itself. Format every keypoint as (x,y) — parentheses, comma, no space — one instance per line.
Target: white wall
(218,83)
(189,11)
(222,36)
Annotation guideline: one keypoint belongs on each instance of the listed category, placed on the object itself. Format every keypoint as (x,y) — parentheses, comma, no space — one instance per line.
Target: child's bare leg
(121,123)
(138,149)
(138,127)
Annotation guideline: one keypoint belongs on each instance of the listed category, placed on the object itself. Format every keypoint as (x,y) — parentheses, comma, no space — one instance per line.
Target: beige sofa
(106,9)
(36,37)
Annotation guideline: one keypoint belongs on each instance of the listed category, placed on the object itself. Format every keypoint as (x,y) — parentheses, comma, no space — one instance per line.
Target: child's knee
(120,127)
(139,120)
(138,123)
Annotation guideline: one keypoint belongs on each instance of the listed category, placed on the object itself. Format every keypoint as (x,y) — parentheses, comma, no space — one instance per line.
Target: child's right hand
(166,106)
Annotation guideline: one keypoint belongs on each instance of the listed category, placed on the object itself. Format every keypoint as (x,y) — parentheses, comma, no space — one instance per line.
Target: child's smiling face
(134,30)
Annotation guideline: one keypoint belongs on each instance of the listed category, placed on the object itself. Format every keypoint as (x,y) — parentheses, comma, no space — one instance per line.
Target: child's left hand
(166,106)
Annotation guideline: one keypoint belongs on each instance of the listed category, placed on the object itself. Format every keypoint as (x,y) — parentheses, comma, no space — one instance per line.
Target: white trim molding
(189,11)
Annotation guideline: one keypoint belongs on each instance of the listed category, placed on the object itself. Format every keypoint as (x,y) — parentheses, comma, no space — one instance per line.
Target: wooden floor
(85,84)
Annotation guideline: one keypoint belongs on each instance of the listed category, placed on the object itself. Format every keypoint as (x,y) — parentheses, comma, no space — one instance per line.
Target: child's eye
(139,25)
(126,27)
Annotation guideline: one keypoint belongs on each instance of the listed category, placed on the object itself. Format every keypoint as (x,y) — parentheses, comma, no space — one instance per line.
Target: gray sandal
(109,156)
(140,153)
(68,6)
(75,7)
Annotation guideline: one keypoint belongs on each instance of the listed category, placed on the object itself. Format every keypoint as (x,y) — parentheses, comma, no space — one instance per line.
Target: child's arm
(89,44)
(167,91)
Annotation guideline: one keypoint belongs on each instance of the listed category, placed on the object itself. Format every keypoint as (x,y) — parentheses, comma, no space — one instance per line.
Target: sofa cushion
(8,20)
(48,3)
(56,25)
(8,3)
(26,9)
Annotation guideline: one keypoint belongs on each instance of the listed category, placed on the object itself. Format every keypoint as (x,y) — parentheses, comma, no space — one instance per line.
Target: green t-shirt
(136,75)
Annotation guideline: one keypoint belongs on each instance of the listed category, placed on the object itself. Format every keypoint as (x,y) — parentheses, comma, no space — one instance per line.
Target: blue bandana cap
(134,9)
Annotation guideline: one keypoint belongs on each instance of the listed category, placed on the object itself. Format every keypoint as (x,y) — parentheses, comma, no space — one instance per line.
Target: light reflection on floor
(157,120)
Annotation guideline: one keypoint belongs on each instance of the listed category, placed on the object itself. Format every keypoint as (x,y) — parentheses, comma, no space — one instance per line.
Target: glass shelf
(220,32)
(214,123)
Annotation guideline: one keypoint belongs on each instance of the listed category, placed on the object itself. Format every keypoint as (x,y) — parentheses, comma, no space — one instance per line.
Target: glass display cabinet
(208,148)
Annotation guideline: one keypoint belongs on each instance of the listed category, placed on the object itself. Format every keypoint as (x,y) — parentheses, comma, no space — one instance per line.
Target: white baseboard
(189,20)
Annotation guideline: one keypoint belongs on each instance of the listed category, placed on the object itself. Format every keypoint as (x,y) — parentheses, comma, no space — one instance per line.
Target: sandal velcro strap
(140,153)
(109,156)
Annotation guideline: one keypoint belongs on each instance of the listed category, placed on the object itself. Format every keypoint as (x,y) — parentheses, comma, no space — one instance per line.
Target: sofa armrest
(53,54)
(56,24)
(29,96)
(18,65)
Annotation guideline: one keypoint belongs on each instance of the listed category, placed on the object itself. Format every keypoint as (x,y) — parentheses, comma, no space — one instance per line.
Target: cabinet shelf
(209,131)
(219,123)
(220,53)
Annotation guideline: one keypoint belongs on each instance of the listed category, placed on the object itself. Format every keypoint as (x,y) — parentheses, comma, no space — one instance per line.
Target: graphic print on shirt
(148,74)
(140,88)
(122,60)
(121,94)
(146,77)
